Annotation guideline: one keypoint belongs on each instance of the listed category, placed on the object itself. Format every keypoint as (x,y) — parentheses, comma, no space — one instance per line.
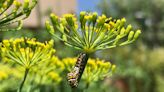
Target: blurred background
(140,66)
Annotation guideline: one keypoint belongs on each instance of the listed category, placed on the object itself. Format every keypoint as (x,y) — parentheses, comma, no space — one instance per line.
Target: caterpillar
(75,75)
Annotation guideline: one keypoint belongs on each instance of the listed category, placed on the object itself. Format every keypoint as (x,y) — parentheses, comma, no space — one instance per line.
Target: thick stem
(23,81)
(75,75)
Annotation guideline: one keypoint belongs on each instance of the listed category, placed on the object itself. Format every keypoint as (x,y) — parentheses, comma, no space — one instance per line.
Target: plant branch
(23,81)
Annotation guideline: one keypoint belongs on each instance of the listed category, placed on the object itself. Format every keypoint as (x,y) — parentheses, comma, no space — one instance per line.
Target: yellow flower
(69,63)
(95,69)
(57,63)
(91,32)
(26,52)
(3,75)
(55,77)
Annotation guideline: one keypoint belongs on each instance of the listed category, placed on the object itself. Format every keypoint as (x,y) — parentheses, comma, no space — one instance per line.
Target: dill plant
(26,53)
(14,12)
(88,33)
(51,73)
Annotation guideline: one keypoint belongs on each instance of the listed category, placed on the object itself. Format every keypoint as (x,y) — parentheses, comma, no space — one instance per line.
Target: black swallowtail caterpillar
(75,75)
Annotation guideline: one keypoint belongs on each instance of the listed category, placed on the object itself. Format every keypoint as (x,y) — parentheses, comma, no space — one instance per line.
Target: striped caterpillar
(75,75)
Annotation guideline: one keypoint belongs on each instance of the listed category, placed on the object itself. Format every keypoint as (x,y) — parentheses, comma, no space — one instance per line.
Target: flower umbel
(26,52)
(91,32)
(14,11)
(95,70)
(50,71)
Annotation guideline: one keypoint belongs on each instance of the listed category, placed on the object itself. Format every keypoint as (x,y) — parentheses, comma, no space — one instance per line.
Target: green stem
(74,89)
(32,83)
(23,81)
(86,87)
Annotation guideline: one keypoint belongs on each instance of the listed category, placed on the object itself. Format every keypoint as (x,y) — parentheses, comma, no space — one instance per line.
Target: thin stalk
(30,89)
(97,35)
(7,7)
(74,90)
(86,87)
(12,18)
(40,83)
(23,81)
(91,35)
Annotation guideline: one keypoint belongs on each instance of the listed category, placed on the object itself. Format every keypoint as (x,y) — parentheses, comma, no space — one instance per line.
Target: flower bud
(20,24)
(5,6)
(122,31)
(26,4)
(47,24)
(117,39)
(107,65)
(64,37)
(82,14)
(123,20)
(49,27)
(136,35)
(128,29)
(17,4)
(54,19)
(113,68)
(32,5)
(101,20)
(86,17)
(117,23)
(63,21)
(94,17)
(70,19)
(111,24)
(61,28)
(130,36)
(106,26)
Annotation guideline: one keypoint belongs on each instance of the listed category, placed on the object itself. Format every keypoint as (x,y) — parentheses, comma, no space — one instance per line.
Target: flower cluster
(26,52)
(52,68)
(95,69)
(91,32)
(14,11)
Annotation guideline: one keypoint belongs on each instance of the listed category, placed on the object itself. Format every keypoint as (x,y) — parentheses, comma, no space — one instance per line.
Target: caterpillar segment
(75,75)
